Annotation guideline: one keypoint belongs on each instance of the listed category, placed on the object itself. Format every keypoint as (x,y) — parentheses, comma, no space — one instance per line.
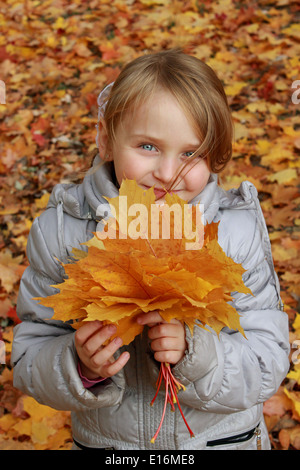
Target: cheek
(200,176)
(206,176)
(128,166)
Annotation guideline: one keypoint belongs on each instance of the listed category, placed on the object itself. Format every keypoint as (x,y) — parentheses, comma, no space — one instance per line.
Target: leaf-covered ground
(55,57)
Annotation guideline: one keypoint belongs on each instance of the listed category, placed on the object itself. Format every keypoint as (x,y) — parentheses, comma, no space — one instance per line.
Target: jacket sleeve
(43,353)
(230,373)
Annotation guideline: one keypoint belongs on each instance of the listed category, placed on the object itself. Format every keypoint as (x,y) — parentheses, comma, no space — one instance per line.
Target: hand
(167,338)
(97,360)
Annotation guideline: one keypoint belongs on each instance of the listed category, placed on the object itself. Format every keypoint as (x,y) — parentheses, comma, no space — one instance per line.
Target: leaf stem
(158,384)
(171,384)
(180,409)
(151,247)
(164,411)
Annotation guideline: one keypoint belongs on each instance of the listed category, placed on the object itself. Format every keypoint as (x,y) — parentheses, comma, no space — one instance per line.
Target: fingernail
(126,356)
(118,341)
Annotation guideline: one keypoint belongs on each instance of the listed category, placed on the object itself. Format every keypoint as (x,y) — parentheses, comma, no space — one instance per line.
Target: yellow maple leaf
(296,324)
(10,270)
(295,374)
(284,176)
(295,402)
(235,89)
(123,275)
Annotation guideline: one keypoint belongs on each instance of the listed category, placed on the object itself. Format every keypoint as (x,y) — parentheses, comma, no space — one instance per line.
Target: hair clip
(101,101)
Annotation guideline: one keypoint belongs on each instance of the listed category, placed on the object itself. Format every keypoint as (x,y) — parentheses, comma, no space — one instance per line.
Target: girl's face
(151,146)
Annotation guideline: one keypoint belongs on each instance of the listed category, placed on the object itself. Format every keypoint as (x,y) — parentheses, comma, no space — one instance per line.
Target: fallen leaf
(10,270)
(284,176)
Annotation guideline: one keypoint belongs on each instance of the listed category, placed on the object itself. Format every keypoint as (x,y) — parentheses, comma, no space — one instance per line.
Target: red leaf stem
(171,384)
(180,409)
(158,384)
(164,410)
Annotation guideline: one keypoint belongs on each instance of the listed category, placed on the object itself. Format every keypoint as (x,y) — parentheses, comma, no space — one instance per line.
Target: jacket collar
(209,197)
(99,184)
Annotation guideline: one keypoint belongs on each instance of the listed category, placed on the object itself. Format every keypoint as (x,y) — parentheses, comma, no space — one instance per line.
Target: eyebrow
(158,140)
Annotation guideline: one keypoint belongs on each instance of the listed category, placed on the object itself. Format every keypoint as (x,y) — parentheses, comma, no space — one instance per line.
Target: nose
(165,168)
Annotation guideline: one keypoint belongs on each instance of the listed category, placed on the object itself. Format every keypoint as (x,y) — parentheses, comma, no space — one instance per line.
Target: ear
(102,142)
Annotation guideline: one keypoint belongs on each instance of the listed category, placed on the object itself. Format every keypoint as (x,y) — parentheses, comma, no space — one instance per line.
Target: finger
(86,331)
(105,355)
(94,342)
(106,332)
(166,344)
(172,357)
(117,365)
(165,329)
(149,318)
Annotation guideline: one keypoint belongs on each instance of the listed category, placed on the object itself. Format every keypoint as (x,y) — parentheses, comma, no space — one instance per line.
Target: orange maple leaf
(121,276)
(147,258)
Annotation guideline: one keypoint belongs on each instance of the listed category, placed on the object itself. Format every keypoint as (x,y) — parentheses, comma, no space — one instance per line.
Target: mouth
(160,192)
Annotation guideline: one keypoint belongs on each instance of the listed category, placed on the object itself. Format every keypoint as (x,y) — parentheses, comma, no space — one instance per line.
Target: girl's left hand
(167,338)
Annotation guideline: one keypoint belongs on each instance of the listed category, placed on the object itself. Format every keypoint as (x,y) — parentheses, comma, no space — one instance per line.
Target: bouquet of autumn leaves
(161,259)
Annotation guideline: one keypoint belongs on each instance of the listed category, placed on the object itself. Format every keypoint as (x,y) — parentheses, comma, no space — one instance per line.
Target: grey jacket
(227,379)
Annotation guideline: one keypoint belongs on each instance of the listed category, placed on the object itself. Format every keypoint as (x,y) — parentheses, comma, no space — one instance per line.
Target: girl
(166,123)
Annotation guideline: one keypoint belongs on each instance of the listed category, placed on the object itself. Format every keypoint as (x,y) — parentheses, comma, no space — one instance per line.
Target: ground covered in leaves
(55,57)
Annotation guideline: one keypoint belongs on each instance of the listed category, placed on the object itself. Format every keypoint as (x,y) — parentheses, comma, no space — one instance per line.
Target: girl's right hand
(97,360)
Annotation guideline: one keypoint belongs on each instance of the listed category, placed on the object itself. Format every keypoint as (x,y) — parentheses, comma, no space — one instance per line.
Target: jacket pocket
(237,439)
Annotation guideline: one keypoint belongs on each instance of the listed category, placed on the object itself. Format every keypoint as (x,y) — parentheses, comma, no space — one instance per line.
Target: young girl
(166,124)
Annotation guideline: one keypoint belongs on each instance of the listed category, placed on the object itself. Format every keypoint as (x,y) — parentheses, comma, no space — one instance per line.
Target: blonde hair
(197,89)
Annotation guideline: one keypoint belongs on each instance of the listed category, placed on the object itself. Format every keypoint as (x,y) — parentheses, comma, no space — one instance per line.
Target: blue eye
(188,154)
(148,147)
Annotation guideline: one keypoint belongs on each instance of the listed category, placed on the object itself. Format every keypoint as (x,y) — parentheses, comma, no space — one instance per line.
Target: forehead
(160,114)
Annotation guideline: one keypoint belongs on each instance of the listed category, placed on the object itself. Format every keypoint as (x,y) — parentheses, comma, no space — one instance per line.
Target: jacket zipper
(245,436)
(257,432)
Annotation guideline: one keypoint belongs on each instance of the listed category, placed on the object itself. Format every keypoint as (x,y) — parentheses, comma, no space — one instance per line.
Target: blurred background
(55,57)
